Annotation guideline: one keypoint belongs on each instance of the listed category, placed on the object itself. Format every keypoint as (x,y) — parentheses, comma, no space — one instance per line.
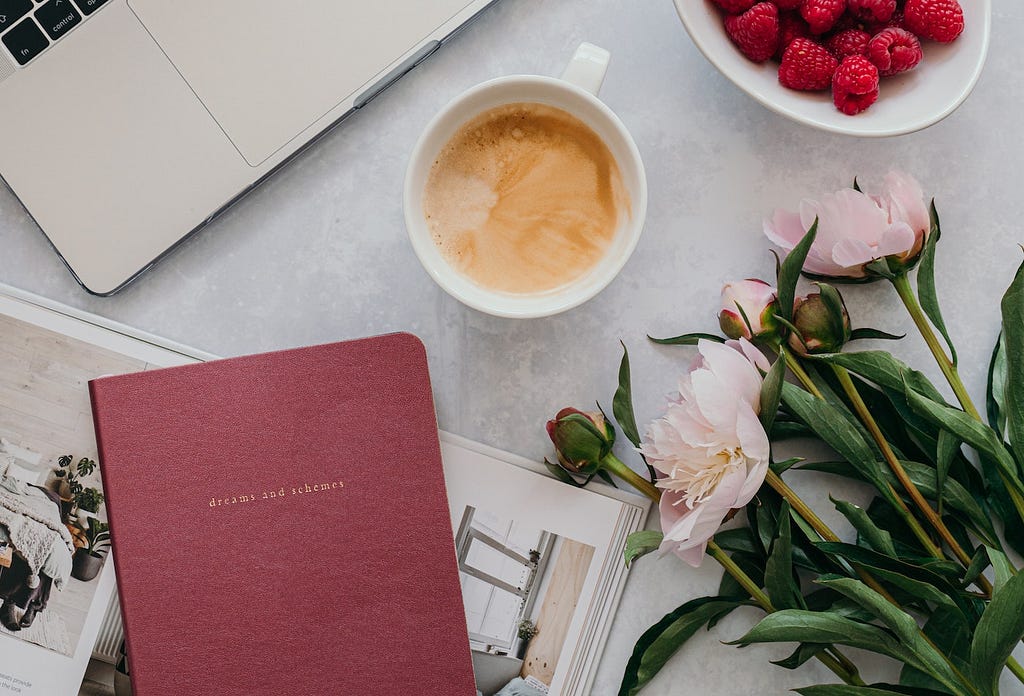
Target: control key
(58,17)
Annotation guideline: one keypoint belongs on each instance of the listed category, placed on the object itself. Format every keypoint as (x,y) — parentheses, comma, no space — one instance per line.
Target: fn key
(25,41)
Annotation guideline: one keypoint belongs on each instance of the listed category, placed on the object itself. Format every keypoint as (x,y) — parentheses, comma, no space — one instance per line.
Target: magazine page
(56,575)
(540,565)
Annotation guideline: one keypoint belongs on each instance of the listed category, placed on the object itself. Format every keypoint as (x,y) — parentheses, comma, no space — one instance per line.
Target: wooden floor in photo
(557,609)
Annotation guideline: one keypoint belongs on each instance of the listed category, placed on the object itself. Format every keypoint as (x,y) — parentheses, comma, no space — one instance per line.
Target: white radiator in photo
(108,643)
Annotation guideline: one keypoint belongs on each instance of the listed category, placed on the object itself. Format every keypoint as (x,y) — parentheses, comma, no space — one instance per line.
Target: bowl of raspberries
(858,67)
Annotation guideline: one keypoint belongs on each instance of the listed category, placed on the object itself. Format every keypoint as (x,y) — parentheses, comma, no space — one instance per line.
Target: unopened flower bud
(822,322)
(581,439)
(748,309)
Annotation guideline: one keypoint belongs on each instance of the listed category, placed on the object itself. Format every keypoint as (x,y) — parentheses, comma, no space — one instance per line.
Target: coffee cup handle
(588,67)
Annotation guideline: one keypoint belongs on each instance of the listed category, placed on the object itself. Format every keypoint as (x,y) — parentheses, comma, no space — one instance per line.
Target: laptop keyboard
(28,28)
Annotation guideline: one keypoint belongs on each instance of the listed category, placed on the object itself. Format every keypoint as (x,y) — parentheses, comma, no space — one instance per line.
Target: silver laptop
(126,125)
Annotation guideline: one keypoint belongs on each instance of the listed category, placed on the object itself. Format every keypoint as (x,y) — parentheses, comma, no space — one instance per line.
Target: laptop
(127,125)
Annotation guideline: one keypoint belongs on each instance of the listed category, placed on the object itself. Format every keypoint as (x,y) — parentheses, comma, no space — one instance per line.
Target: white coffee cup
(576,93)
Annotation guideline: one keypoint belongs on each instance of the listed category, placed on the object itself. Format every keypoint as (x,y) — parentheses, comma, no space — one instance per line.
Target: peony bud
(822,322)
(748,309)
(582,440)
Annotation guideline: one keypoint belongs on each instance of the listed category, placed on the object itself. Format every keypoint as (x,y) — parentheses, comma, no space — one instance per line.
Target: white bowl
(908,102)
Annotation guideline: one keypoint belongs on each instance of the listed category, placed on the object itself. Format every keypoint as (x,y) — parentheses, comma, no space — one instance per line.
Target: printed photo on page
(56,571)
(541,569)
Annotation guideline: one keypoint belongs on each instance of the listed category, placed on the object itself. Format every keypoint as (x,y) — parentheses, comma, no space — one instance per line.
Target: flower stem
(1016,668)
(745,581)
(840,665)
(864,413)
(616,466)
(906,293)
(801,374)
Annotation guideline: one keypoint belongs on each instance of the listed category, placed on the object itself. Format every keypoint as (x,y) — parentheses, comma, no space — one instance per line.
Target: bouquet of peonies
(930,580)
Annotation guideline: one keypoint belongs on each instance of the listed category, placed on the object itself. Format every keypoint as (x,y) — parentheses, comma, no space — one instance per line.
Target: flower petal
(784,229)
(732,369)
(852,254)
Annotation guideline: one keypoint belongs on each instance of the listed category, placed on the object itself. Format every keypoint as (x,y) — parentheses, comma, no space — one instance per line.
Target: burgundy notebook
(280,525)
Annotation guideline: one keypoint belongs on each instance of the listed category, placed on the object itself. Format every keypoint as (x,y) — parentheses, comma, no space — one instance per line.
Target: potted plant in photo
(89,559)
(88,501)
(69,474)
(526,632)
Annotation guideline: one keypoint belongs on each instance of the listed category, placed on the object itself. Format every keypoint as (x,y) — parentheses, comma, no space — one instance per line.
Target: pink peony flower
(855,229)
(758,301)
(709,448)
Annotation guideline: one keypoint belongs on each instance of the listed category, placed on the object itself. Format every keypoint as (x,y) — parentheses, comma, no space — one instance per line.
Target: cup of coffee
(526,195)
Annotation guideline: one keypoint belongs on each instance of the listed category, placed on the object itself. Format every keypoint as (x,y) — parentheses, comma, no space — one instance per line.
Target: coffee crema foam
(525,198)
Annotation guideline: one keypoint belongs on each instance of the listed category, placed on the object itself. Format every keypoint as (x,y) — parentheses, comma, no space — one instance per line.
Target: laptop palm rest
(268,71)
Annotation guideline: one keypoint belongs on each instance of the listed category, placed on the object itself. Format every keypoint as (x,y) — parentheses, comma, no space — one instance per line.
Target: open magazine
(540,562)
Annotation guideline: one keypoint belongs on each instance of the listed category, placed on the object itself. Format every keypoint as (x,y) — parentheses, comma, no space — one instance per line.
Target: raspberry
(849,42)
(896,20)
(787,4)
(735,6)
(855,85)
(822,15)
(938,20)
(877,11)
(807,66)
(791,26)
(894,51)
(756,31)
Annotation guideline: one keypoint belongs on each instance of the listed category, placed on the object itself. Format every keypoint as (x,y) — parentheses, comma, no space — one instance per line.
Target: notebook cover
(280,525)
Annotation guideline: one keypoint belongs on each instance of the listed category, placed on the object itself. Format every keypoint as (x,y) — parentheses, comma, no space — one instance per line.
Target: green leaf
(946,450)
(979,562)
(690,339)
(663,639)
(885,370)
(784,466)
(641,543)
(788,430)
(622,402)
(874,334)
(1000,629)
(789,272)
(1002,566)
(771,391)
(873,690)
(801,626)
(924,477)
(564,476)
(879,539)
(778,572)
(977,435)
(926,292)
(741,540)
(995,393)
(925,657)
(834,427)
(1012,307)
(921,582)
(836,309)
(803,653)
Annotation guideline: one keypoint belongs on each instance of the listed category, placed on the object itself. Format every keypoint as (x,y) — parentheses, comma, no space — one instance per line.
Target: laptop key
(57,17)
(11,11)
(25,41)
(89,6)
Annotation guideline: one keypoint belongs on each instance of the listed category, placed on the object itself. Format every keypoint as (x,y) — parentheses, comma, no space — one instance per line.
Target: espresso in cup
(525,198)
